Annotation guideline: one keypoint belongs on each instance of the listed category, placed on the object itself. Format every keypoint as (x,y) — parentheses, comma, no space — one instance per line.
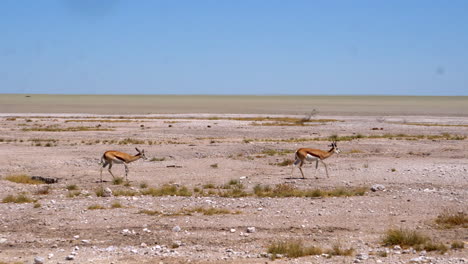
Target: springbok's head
(141,153)
(334,147)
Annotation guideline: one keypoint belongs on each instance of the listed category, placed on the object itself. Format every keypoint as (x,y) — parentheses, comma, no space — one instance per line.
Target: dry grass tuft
(287,190)
(293,249)
(167,190)
(22,178)
(96,207)
(20,198)
(403,238)
(451,220)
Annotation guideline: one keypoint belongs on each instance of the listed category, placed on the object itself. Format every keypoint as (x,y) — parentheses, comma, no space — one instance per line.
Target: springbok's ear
(138,150)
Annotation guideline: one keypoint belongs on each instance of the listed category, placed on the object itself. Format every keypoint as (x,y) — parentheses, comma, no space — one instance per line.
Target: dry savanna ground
(218,188)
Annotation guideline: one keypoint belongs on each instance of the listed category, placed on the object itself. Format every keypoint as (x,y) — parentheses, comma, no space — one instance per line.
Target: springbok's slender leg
(110,166)
(300,168)
(126,171)
(103,166)
(326,169)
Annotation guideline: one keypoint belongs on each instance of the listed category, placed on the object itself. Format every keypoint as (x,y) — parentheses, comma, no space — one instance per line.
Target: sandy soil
(423,178)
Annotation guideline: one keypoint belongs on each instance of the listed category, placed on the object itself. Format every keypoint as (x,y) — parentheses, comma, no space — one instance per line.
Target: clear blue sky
(397,47)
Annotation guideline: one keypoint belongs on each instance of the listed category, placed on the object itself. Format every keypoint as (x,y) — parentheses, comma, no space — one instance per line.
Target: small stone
(251,229)
(362,256)
(107,192)
(3,240)
(176,229)
(232,230)
(51,255)
(70,257)
(85,241)
(38,260)
(377,187)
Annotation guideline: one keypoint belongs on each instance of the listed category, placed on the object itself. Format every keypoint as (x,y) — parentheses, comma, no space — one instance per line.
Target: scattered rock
(176,229)
(377,187)
(107,192)
(362,256)
(70,257)
(38,260)
(251,229)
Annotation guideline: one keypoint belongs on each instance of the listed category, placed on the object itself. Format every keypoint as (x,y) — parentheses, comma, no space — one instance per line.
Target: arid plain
(217,186)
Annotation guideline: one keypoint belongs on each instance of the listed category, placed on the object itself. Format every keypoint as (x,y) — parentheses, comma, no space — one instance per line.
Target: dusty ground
(423,178)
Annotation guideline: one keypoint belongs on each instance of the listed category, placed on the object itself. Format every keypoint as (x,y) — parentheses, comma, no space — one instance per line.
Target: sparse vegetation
(96,207)
(117,181)
(293,249)
(214,166)
(72,187)
(143,185)
(285,162)
(296,249)
(20,198)
(404,238)
(116,204)
(411,238)
(24,179)
(286,190)
(157,159)
(452,220)
(167,190)
(65,129)
(457,245)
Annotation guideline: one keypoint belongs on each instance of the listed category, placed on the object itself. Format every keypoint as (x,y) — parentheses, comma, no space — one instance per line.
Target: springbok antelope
(118,157)
(316,155)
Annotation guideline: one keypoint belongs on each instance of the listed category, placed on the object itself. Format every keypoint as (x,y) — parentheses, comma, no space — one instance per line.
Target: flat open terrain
(212,167)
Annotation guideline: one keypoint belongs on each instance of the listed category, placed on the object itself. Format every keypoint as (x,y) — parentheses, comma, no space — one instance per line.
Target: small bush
(404,238)
(293,249)
(143,185)
(451,220)
(457,245)
(72,187)
(99,192)
(37,205)
(336,250)
(117,181)
(157,159)
(214,166)
(209,186)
